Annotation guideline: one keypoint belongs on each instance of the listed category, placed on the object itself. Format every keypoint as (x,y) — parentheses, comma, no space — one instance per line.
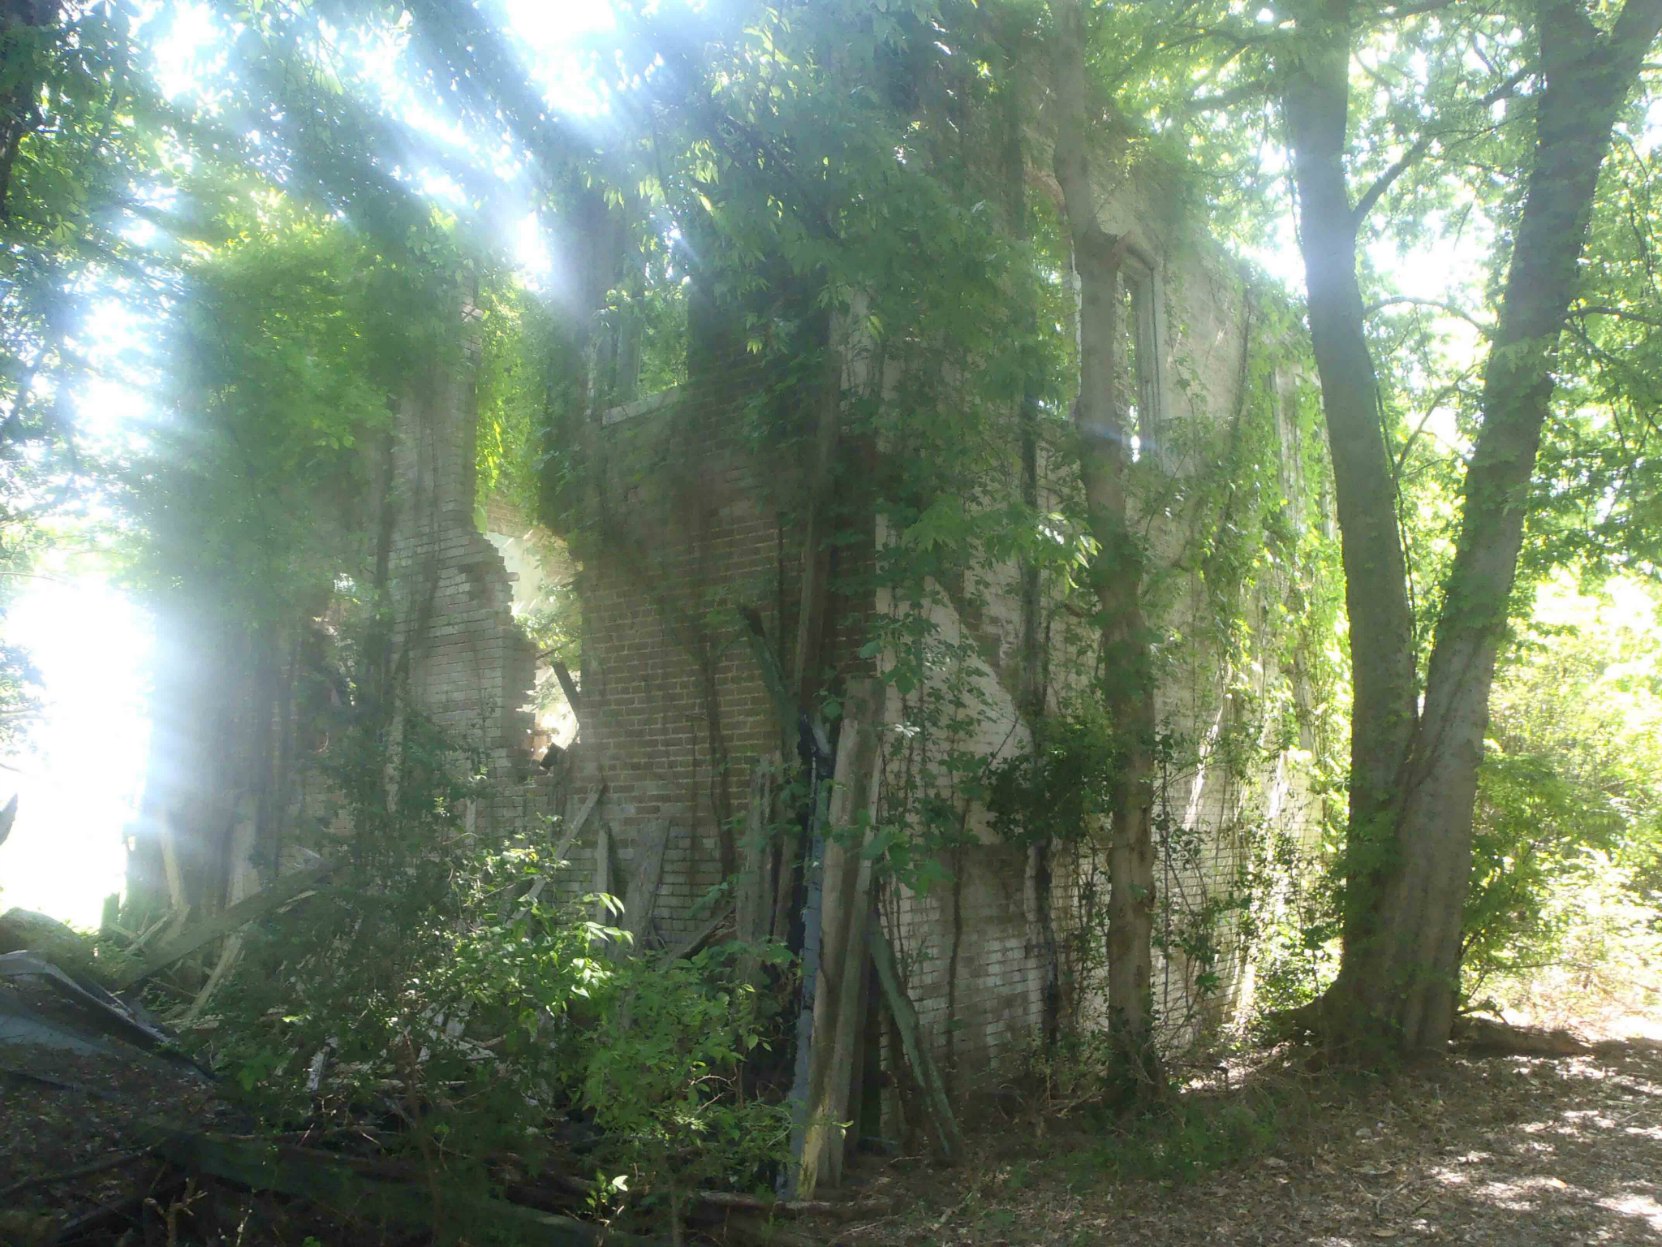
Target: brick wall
(676,712)
(971,944)
(466,662)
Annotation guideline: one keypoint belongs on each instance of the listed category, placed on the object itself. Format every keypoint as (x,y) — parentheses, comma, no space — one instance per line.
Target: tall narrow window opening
(1139,357)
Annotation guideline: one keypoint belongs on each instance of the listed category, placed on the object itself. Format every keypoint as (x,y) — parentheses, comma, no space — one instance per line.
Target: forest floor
(1515,1151)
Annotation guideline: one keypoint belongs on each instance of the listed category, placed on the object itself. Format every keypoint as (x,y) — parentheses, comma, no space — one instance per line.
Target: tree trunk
(19,110)
(1116,573)
(1316,104)
(1414,778)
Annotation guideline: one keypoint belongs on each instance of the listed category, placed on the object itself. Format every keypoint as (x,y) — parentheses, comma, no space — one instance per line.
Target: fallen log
(729,1201)
(364,1191)
(770,1207)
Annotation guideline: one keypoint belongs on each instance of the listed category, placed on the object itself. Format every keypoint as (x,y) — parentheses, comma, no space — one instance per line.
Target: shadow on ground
(1510,1151)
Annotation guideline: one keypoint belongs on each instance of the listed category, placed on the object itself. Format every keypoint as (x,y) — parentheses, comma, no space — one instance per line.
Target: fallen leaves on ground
(1513,1151)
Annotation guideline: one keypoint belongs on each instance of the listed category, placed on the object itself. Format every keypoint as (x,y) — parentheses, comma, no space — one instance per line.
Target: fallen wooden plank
(695,942)
(606,901)
(568,686)
(578,823)
(563,849)
(273,897)
(754,887)
(949,1143)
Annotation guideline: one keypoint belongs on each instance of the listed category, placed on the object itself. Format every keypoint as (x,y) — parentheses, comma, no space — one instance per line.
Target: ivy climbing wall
(690,536)
(694,525)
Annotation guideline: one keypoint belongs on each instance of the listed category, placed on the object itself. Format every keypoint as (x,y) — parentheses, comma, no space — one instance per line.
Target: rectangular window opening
(1138,370)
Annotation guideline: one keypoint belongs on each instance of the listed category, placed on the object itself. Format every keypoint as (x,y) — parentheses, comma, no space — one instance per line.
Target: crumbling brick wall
(690,519)
(456,648)
(675,708)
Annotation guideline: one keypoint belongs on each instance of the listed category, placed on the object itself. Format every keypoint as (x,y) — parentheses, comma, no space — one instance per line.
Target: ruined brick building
(692,562)
(699,531)
(690,540)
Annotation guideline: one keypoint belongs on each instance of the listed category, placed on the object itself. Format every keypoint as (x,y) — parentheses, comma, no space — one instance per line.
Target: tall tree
(1414,763)
(73,132)
(1104,436)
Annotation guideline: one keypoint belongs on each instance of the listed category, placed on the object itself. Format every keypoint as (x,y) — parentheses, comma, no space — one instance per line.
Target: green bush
(1562,918)
(428,996)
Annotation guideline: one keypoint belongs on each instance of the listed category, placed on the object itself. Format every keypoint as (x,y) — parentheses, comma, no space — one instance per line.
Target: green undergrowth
(1239,1108)
(445,1005)
(1187,1139)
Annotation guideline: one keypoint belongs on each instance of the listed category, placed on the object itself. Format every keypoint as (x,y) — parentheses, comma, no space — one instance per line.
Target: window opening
(1138,373)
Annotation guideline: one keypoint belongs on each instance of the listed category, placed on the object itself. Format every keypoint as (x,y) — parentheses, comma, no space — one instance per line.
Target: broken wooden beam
(845,900)
(645,875)
(581,819)
(273,897)
(753,890)
(701,937)
(568,686)
(948,1141)
(562,850)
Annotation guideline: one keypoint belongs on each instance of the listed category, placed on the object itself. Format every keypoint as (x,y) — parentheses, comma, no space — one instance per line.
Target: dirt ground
(1510,1151)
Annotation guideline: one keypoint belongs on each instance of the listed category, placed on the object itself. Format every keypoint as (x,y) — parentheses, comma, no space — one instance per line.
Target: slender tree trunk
(1316,105)
(1414,775)
(1116,573)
